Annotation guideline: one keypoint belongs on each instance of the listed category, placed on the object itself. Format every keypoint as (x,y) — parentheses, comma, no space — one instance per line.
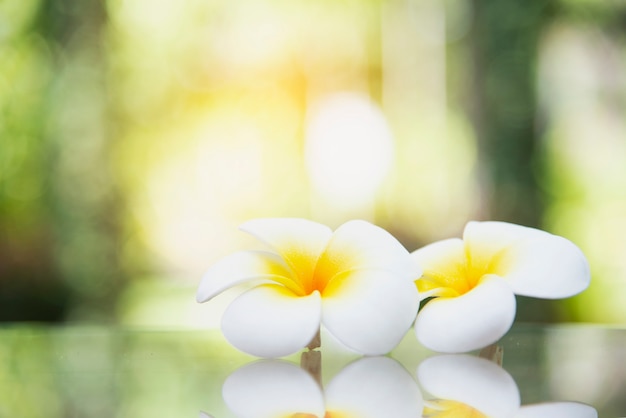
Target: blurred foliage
(136,135)
(59,225)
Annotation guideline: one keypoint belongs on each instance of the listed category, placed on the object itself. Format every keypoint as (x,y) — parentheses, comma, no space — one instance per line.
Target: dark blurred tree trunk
(80,188)
(31,286)
(504,44)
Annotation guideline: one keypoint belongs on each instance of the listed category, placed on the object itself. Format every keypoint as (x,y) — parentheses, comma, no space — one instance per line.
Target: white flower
(474,281)
(358,282)
(468,386)
(371,387)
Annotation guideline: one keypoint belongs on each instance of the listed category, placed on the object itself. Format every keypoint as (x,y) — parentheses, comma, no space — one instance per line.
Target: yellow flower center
(451,409)
(459,274)
(311,273)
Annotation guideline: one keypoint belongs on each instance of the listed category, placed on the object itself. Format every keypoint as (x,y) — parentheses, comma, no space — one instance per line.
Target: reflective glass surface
(110,372)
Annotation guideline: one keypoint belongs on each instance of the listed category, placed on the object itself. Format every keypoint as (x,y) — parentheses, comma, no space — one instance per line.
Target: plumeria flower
(474,281)
(473,387)
(356,281)
(371,387)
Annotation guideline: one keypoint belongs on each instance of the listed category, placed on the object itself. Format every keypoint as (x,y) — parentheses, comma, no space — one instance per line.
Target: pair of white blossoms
(365,288)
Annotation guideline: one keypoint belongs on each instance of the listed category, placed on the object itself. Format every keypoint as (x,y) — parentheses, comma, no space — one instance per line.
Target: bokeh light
(349,151)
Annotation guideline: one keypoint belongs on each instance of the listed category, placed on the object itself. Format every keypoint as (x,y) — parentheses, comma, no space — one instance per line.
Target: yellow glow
(193,189)
(241,110)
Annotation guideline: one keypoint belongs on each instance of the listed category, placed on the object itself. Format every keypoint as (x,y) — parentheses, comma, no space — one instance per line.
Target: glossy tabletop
(112,372)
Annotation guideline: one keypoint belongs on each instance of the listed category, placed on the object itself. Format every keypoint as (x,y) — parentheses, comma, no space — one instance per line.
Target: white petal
(474,381)
(534,262)
(440,253)
(269,321)
(549,267)
(557,410)
(484,240)
(270,389)
(238,268)
(374,387)
(369,310)
(299,242)
(468,322)
(361,245)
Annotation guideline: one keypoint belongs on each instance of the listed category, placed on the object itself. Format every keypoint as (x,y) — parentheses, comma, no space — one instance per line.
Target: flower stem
(311,359)
(493,353)
(316,342)
(311,362)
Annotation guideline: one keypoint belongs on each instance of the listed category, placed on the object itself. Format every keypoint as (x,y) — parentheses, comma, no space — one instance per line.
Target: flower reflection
(458,386)
(370,387)
(465,386)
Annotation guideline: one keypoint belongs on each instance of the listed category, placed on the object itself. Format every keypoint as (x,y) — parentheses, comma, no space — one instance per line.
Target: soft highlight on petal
(241,267)
(299,242)
(557,410)
(362,245)
(550,267)
(534,262)
(485,242)
(269,321)
(369,310)
(270,389)
(374,387)
(468,322)
(470,380)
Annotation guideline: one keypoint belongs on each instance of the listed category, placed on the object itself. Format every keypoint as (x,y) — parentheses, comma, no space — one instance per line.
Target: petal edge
(240,267)
(468,322)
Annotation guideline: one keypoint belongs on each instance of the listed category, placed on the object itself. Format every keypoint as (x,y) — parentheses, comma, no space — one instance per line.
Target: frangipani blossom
(371,387)
(465,386)
(356,281)
(474,281)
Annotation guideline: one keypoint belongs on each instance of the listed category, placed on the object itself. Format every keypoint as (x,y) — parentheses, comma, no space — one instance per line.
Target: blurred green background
(136,135)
